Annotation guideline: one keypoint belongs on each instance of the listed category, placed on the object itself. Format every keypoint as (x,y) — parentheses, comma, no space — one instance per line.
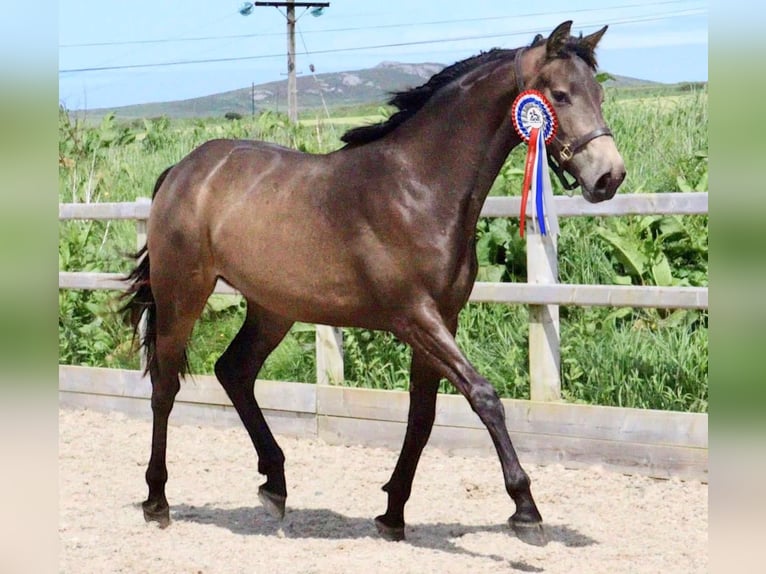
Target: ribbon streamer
(535,121)
(545,209)
(529,167)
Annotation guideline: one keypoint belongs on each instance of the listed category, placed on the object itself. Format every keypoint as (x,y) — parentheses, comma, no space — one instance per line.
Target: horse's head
(563,67)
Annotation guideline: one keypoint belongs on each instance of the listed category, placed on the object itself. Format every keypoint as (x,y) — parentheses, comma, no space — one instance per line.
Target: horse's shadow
(322,523)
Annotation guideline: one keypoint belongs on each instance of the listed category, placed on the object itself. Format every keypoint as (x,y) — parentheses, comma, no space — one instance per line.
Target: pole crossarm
(296,4)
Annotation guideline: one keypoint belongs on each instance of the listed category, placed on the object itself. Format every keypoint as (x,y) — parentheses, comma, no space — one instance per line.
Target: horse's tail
(140,299)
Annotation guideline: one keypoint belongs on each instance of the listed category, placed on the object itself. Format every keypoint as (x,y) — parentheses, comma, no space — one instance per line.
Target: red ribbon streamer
(528,168)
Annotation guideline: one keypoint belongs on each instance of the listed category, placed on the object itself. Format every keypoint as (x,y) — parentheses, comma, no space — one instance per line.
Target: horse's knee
(485,401)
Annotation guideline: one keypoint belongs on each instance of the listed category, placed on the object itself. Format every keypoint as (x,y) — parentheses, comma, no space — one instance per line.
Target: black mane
(408,102)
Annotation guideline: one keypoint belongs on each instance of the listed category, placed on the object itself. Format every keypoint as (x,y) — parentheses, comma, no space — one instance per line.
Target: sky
(121,53)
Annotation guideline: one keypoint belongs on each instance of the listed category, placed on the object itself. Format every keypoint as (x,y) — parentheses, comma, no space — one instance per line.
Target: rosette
(535,121)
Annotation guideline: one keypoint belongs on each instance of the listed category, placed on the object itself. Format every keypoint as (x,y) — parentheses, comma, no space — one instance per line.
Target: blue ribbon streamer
(539,204)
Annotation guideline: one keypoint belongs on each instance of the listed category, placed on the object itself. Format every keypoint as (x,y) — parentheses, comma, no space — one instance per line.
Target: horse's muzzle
(606,185)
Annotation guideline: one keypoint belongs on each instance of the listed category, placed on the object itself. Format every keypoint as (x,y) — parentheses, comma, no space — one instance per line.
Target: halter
(568,149)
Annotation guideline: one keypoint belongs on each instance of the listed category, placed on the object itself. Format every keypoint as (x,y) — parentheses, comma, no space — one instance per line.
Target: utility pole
(292,84)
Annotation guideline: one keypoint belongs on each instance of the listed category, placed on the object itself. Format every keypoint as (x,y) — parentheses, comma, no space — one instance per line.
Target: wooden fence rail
(695,203)
(542,293)
(483,292)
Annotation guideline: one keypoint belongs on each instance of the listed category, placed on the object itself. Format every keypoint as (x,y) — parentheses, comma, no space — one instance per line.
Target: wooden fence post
(329,355)
(140,242)
(544,353)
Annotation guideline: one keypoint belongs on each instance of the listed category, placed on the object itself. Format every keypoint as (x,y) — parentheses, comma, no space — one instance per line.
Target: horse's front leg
(428,335)
(424,384)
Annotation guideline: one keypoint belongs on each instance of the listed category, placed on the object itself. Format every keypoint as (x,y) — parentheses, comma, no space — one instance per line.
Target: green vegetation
(628,357)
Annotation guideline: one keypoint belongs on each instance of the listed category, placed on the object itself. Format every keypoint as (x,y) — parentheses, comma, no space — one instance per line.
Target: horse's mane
(409,102)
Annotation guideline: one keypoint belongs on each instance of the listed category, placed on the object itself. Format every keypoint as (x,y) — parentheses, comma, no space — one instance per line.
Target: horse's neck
(463,150)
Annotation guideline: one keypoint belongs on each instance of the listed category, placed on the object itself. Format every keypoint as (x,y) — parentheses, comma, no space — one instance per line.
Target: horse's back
(214,177)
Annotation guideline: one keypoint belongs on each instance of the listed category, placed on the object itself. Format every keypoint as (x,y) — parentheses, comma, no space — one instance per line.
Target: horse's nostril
(603,181)
(607,184)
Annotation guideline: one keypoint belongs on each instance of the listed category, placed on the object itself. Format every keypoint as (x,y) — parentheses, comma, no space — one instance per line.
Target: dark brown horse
(378,235)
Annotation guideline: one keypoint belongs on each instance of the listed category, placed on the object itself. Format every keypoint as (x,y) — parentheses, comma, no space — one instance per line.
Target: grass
(350,121)
(641,358)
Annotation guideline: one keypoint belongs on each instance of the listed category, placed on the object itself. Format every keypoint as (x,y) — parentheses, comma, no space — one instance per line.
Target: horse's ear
(593,39)
(557,38)
(539,38)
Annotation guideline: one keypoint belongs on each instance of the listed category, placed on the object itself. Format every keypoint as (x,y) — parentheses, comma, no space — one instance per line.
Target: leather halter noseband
(568,150)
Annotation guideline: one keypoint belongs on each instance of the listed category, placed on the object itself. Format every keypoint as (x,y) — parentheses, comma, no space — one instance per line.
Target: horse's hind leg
(236,370)
(176,312)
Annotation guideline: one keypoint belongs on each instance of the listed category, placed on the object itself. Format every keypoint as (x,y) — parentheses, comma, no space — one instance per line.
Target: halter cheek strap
(567,149)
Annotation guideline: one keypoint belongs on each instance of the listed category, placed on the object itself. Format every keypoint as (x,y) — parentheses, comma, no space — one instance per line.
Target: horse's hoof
(392,533)
(273,503)
(529,532)
(153,514)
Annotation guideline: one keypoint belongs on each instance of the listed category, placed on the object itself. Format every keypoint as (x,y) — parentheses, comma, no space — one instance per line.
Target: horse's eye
(560,97)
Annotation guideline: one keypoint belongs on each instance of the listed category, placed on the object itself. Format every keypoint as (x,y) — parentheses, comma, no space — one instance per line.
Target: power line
(130,52)
(358,28)
(373,47)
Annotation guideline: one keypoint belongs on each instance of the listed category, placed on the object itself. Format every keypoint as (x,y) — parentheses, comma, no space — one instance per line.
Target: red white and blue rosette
(535,122)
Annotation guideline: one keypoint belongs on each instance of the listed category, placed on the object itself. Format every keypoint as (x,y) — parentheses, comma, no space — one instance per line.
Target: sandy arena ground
(596,520)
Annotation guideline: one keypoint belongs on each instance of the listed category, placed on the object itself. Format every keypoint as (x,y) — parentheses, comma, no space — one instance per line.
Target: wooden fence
(545,429)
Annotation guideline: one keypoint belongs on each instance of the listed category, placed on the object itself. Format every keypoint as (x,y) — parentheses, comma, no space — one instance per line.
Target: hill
(371,86)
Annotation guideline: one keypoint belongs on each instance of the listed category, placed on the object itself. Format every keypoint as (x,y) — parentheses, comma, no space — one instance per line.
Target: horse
(378,234)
